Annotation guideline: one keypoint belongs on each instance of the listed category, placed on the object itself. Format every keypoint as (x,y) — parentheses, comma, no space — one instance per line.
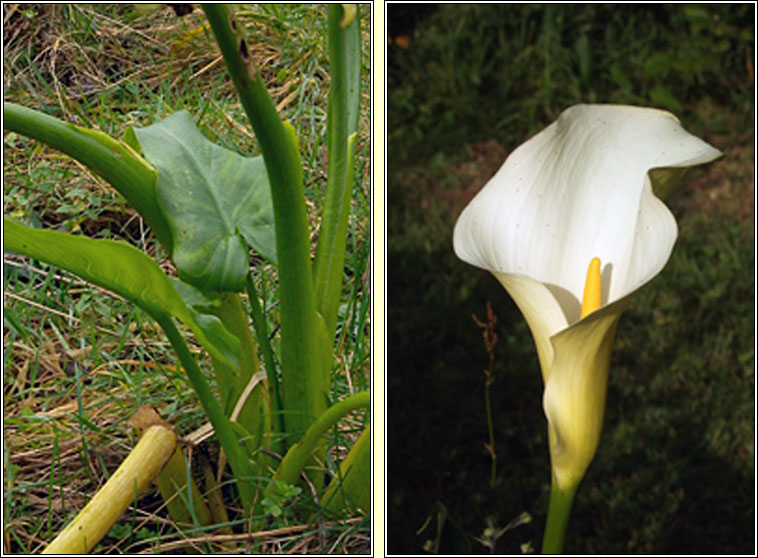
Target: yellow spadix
(592,288)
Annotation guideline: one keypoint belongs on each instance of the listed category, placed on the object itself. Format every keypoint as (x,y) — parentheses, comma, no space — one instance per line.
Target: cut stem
(186,507)
(134,474)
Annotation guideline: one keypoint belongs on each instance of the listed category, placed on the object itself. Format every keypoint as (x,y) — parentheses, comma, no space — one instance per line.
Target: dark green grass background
(675,470)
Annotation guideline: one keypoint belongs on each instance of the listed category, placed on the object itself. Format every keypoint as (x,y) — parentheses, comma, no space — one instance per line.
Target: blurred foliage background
(466,84)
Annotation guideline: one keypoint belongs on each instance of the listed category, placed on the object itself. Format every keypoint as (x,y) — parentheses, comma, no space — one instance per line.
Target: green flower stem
(557,517)
(235,452)
(115,161)
(305,370)
(342,125)
(299,454)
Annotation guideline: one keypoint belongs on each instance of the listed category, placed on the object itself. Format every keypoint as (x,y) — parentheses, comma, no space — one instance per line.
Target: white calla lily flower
(586,186)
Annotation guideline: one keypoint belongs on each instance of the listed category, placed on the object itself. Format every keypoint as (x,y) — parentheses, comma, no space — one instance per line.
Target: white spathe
(586,186)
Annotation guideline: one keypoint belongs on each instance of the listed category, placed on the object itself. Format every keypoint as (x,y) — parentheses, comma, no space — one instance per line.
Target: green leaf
(117,162)
(278,497)
(126,271)
(342,125)
(201,312)
(214,200)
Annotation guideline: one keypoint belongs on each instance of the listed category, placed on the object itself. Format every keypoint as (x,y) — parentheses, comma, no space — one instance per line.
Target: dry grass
(78,362)
(149,49)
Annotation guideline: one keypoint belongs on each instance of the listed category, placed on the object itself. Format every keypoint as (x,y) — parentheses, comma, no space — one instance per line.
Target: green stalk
(299,454)
(351,489)
(115,161)
(256,411)
(305,367)
(342,126)
(235,452)
(231,382)
(558,515)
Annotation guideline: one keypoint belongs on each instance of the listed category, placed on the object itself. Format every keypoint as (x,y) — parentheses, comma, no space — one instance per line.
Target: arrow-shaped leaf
(213,198)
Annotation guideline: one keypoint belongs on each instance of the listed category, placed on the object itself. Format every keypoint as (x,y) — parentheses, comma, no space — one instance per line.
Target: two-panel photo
(378,279)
